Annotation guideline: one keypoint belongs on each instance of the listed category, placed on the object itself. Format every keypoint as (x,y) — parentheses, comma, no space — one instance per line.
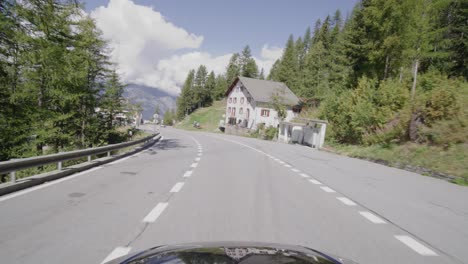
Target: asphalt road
(194,187)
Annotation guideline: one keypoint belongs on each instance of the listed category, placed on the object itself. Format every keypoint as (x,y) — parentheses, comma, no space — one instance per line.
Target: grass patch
(452,160)
(208,117)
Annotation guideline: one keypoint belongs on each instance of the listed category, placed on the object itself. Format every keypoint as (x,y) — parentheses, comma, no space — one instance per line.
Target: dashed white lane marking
(372,217)
(199,154)
(304,175)
(45,185)
(155,213)
(327,189)
(416,246)
(188,174)
(117,253)
(346,201)
(287,165)
(295,170)
(177,187)
(316,182)
(197,159)
(194,165)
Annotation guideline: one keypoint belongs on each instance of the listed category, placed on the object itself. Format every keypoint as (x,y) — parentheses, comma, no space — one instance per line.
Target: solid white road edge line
(327,189)
(416,246)
(295,170)
(119,160)
(372,217)
(155,213)
(346,201)
(188,174)
(177,187)
(304,175)
(315,182)
(45,185)
(287,165)
(117,253)
(194,165)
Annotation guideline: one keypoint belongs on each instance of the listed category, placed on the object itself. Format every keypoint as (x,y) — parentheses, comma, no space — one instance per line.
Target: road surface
(194,186)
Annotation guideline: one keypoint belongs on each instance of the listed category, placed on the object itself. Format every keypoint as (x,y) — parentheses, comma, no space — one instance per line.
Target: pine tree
(112,99)
(261,76)
(417,38)
(248,66)
(233,69)
(199,86)
(458,32)
(299,45)
(245,56)
(324,34)
(316,78)
(273,75)
(315,37)
(338,20)
(210,88)
(307,41)
(220,87)
(288,68)
(356,44)
(186,102)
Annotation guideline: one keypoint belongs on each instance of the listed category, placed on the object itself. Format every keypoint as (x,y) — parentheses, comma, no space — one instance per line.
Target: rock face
(149,97)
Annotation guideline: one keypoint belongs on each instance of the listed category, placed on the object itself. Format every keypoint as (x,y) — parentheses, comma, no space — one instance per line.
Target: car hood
(230,253)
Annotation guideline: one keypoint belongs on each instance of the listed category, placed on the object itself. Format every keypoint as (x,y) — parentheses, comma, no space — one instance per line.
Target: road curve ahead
(194,187)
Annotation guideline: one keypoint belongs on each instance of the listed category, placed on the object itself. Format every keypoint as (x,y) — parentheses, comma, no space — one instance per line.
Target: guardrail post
(89,158)
(108,153)
(59,165)
(13,176)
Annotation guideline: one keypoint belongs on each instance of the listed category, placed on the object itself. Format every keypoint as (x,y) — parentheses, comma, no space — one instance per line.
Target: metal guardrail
(11,166)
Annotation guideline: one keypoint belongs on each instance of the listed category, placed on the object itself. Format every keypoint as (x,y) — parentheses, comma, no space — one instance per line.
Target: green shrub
(270,133)
(356,116)
(443,103)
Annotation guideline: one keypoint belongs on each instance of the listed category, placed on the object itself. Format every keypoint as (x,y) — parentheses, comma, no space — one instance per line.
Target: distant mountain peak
(149,97)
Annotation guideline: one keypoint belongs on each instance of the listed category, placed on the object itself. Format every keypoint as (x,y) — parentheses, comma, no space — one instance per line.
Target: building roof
(263,90)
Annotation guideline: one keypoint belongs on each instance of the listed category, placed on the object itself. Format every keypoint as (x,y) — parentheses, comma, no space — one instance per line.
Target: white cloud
(170,73)
(144,44)
(268,57)
(271,53)
(139,37)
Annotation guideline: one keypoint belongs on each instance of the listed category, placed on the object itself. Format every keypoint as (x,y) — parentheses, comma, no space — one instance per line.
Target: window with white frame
(230,99)
(229,110)
(242,100)
(265,113)
(241,111)
(235,100)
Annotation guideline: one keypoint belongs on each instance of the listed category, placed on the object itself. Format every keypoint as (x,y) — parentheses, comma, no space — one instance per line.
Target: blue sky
(230,25)
(157,42)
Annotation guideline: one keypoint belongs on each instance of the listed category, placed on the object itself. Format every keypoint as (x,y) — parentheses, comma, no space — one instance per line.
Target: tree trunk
(415,76)
(386,67)
(401,74)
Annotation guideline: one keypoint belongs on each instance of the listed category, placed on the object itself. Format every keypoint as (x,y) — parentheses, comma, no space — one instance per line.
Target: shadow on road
(169,144)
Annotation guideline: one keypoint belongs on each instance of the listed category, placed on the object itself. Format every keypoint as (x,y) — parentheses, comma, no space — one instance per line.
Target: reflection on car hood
(230,253)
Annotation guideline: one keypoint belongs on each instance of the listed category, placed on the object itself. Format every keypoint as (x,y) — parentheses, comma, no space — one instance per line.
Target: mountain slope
(149,97)
(208,117)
